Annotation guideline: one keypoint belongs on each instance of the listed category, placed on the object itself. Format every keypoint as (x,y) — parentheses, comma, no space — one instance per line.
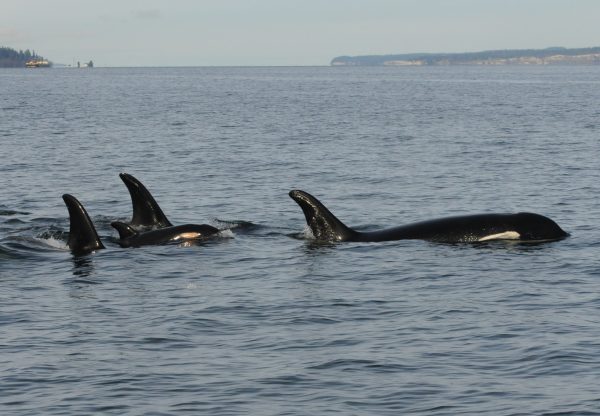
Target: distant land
(548,56)
(11,58)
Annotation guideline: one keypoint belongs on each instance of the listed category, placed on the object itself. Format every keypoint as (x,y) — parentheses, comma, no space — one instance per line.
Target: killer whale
(83,238)
(129,237)
(522,226)
(146,211)
(149,225)
(147,214)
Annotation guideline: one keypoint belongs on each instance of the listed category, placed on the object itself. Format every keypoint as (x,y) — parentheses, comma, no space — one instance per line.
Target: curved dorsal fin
(323,224)
(146,212)
(83,238)
(125,230)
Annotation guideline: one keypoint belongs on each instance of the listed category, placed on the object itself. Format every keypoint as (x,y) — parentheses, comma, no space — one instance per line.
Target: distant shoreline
(548,56)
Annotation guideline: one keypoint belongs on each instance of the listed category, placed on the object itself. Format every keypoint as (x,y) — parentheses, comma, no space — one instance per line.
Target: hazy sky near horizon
(286,32)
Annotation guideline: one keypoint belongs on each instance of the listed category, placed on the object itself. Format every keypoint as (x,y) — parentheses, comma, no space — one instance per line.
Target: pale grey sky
(286,32)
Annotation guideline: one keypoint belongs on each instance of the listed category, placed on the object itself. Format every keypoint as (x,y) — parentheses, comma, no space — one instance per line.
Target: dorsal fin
(323,224)
(125,230)
(146,212)
(83,237)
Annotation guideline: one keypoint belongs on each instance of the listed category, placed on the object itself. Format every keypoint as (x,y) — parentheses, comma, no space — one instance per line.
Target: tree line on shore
(11,58)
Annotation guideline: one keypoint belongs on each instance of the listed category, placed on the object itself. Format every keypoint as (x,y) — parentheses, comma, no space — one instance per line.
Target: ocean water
(264,321)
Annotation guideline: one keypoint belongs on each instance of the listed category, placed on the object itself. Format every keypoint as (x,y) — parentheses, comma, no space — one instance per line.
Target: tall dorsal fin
(146,212)
(83,237)
(323,224)
(125,230)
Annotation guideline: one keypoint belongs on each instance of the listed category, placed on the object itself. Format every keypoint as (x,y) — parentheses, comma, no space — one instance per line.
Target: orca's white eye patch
(507,235)
(187,236)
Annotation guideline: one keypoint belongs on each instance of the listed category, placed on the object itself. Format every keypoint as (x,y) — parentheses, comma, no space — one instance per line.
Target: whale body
(129,237)
(523,226)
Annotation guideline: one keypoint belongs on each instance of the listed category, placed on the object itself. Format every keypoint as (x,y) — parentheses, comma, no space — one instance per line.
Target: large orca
(469,228)
(129,237)
(146,211)
(83,238)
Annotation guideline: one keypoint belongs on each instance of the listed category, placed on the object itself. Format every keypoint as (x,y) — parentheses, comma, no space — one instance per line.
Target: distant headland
(11,58)
(548,56)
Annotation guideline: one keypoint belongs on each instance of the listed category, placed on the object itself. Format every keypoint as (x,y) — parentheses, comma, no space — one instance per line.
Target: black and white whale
(149,225)
(522,226)
(147,214)
(129,237)
(146,211)
(83,238)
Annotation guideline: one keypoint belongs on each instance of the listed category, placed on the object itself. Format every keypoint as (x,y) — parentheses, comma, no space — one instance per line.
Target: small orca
(83,238)
(129,237)
(147,214)
(469,228)
(146,211)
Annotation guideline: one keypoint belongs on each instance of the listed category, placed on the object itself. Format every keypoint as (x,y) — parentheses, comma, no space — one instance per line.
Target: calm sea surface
(267,322)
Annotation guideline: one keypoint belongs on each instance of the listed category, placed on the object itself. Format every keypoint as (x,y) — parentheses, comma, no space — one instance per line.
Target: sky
(286,32)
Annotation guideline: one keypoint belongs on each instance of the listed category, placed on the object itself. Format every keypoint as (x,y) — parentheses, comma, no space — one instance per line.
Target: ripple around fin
(343,363)
(19,247)
(21,244)
(53,234)
(226,234)
(12,221)
(80,281)
(10,212)
(307,233)
(234,224)
(6,253)
(53,242)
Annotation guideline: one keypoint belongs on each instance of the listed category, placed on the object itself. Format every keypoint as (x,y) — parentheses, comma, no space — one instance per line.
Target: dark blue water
(265,322)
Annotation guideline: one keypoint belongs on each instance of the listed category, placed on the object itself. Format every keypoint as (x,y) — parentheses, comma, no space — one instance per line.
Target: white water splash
(53,243)
(307,233)
(226,234)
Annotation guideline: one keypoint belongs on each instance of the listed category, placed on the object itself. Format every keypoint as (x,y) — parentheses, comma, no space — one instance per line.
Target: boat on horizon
(38,63)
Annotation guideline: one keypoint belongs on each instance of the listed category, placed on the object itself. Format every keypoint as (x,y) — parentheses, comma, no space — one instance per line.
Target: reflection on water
(83,267)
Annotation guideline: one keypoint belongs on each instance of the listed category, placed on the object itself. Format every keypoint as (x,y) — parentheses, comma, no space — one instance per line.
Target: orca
(83,238)
(149,225)
(129,237)
(146,211)
(522,226)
